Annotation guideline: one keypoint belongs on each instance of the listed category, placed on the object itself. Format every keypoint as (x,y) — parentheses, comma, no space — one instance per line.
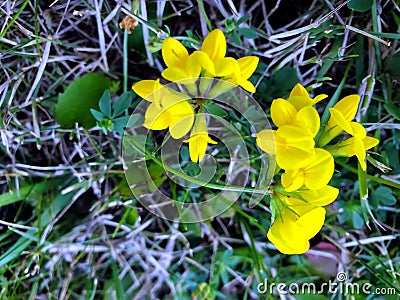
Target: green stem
(149,155)
(203,11)
(125,60)
(373,178)
(332,102)
(14,18)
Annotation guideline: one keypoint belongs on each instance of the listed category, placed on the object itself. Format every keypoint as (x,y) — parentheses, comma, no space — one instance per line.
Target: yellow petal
(283,113)
(340,121)
(295,136)
(292,158)
(290,232)
(320,97)
(360,152)
(182,118)
(350,147)
(285,235)
(321,197)
(199,139)
(312,222)
(320,171)
(348,106)
(225,66)
(358,130)
(248,65)
(145,88)
(292,180)
(215,45)
(308,118)
(248,86)
(265,139)
(156,117)
(299,97)
(174,53)
(299,90)
(221,87)
(175,74)
(370,142)
(198,60)
(297,245)
(294,147)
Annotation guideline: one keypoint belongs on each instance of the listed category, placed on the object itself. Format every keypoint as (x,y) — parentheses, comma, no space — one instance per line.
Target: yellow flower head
(315,175)
(199,139)
(244,67)
(357,145)
(181,65)
(292,146)
(294,227)
(210,61)
(172,111)
(300,98)
(284,113)
(341,114)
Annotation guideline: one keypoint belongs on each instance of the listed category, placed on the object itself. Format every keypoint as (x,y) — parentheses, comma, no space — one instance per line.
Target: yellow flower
(356,145)
(341,114)
(181,65)
(300,98)
(284,113)
(243,68)
(215,46)
(168,108)
(292,146)
(294,227)
(199,139)
(315,175)
(210,61)
(234,71)
(173,112)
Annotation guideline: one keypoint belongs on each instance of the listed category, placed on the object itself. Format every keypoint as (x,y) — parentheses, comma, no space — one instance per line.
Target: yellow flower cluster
(308,168)
(301,147)
(175,110)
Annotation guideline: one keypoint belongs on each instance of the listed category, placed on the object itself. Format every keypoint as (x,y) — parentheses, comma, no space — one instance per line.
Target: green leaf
(83,94)
(123,103)
(285,78)
(120,123)
(119,288)
(393,110)
(236,39)
(105,104)
(97,114)
(358,221)
(360,5)
(242,20)
(135,119)
(385,196)
(248,33)
(14,251)
(387,35)
(215,110)
(29,191)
